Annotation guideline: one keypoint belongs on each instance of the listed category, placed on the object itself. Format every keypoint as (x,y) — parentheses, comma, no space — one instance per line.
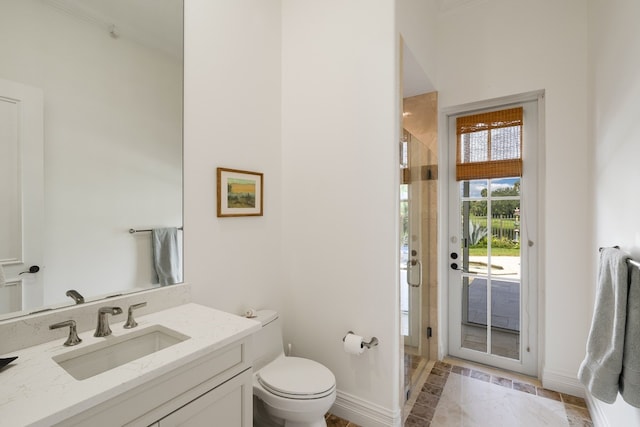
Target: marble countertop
(35,390)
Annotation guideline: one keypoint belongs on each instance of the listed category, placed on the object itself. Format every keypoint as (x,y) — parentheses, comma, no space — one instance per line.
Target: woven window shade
(489,145)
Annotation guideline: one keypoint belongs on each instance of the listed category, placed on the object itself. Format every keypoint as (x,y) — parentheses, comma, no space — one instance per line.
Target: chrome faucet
(79,299)
(103,329)
(131,322)
(73,337)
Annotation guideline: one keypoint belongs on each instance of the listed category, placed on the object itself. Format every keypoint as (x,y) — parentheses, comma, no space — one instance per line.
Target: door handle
(454,266)
(33,269)
(415,262)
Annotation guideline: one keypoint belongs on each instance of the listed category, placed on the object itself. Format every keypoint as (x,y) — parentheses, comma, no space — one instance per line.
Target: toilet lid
(296,376)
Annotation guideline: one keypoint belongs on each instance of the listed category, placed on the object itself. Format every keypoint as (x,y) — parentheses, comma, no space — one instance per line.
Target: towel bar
(133,230)
(629,260)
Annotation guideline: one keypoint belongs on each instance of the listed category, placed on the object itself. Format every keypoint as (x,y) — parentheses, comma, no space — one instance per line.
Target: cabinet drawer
(229,404)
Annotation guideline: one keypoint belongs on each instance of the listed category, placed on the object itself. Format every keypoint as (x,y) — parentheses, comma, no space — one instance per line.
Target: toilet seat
(297,378)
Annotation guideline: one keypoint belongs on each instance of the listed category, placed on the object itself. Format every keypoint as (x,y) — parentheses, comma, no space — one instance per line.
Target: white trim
(443,209)
(491,103)
(540,244)
(598,416)
(562,382)
(529,363)
(443,236)
(363,412)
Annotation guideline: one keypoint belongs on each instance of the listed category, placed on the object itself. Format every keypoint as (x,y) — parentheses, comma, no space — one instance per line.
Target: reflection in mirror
(109,157)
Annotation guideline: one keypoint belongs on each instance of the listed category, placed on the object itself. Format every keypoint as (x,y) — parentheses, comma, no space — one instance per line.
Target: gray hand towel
(630,378)
(601,368)
(166,256)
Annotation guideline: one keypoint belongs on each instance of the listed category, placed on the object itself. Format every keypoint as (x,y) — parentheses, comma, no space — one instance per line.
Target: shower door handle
(413,263)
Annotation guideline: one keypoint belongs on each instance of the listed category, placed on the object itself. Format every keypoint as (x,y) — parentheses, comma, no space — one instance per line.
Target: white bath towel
(630,378)
(601,368)
(166,256)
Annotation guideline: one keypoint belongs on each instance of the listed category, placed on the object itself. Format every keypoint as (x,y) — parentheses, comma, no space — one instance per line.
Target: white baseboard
(364,413)
(598,417)
(562,382)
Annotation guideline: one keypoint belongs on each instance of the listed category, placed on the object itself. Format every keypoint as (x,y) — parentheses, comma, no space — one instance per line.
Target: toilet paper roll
(353,344)
(250,312)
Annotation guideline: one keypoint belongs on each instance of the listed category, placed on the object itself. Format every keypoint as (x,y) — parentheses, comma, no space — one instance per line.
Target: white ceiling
(159,24)
(154,23)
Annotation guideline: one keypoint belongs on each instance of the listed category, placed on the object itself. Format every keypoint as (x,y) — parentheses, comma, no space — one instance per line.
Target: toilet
(287,391)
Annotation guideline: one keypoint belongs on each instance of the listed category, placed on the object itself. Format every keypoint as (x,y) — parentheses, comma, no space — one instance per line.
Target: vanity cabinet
(214,389)
(226,405)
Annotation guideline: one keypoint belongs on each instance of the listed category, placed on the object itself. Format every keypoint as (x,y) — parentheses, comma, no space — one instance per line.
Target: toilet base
(318,423)
(264,418)
(261,417)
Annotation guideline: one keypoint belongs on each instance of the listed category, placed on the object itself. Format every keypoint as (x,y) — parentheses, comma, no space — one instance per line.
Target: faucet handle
(73,337)
(131,322)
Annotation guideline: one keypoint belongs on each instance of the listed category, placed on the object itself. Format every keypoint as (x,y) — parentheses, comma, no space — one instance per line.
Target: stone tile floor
(457,395)
(334,421)
(453,394)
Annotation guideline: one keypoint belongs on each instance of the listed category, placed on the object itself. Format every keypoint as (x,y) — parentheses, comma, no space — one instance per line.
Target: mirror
(110,75)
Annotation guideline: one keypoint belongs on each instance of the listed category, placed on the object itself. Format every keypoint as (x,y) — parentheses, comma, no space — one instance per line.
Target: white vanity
(200,369)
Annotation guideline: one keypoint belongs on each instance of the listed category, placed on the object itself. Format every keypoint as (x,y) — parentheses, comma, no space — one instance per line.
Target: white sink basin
(116,351)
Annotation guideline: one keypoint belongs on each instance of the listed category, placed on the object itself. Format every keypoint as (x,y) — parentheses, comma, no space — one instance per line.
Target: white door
(492,263)
(21,190)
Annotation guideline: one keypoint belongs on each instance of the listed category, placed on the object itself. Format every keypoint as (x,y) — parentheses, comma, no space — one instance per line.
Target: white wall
(615,101)
(496,48)
(232,119)
(340,163)
(106,167)
(417,23)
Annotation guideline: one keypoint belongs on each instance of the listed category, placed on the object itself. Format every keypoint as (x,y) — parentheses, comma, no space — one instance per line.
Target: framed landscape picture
(239,193)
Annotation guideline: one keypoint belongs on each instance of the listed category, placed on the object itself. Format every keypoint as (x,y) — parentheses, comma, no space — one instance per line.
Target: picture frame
(240,192)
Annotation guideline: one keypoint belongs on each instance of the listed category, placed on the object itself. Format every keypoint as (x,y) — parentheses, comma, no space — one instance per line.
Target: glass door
(489,266)
(411,241)
(492,228)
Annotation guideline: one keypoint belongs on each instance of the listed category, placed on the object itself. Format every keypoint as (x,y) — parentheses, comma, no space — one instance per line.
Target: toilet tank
(267,342)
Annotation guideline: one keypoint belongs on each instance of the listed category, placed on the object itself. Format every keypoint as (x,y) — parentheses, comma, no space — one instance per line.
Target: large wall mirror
(106,79)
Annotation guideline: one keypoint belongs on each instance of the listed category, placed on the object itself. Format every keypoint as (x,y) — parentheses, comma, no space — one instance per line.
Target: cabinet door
(228,405)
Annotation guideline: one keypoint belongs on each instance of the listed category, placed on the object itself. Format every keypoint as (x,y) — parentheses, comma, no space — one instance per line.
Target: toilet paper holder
(371,343)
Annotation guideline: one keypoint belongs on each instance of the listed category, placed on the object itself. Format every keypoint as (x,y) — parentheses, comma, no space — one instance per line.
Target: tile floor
(333,421)
(455,394)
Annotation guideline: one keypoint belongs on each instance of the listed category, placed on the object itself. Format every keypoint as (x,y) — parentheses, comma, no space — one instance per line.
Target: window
(489,145)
